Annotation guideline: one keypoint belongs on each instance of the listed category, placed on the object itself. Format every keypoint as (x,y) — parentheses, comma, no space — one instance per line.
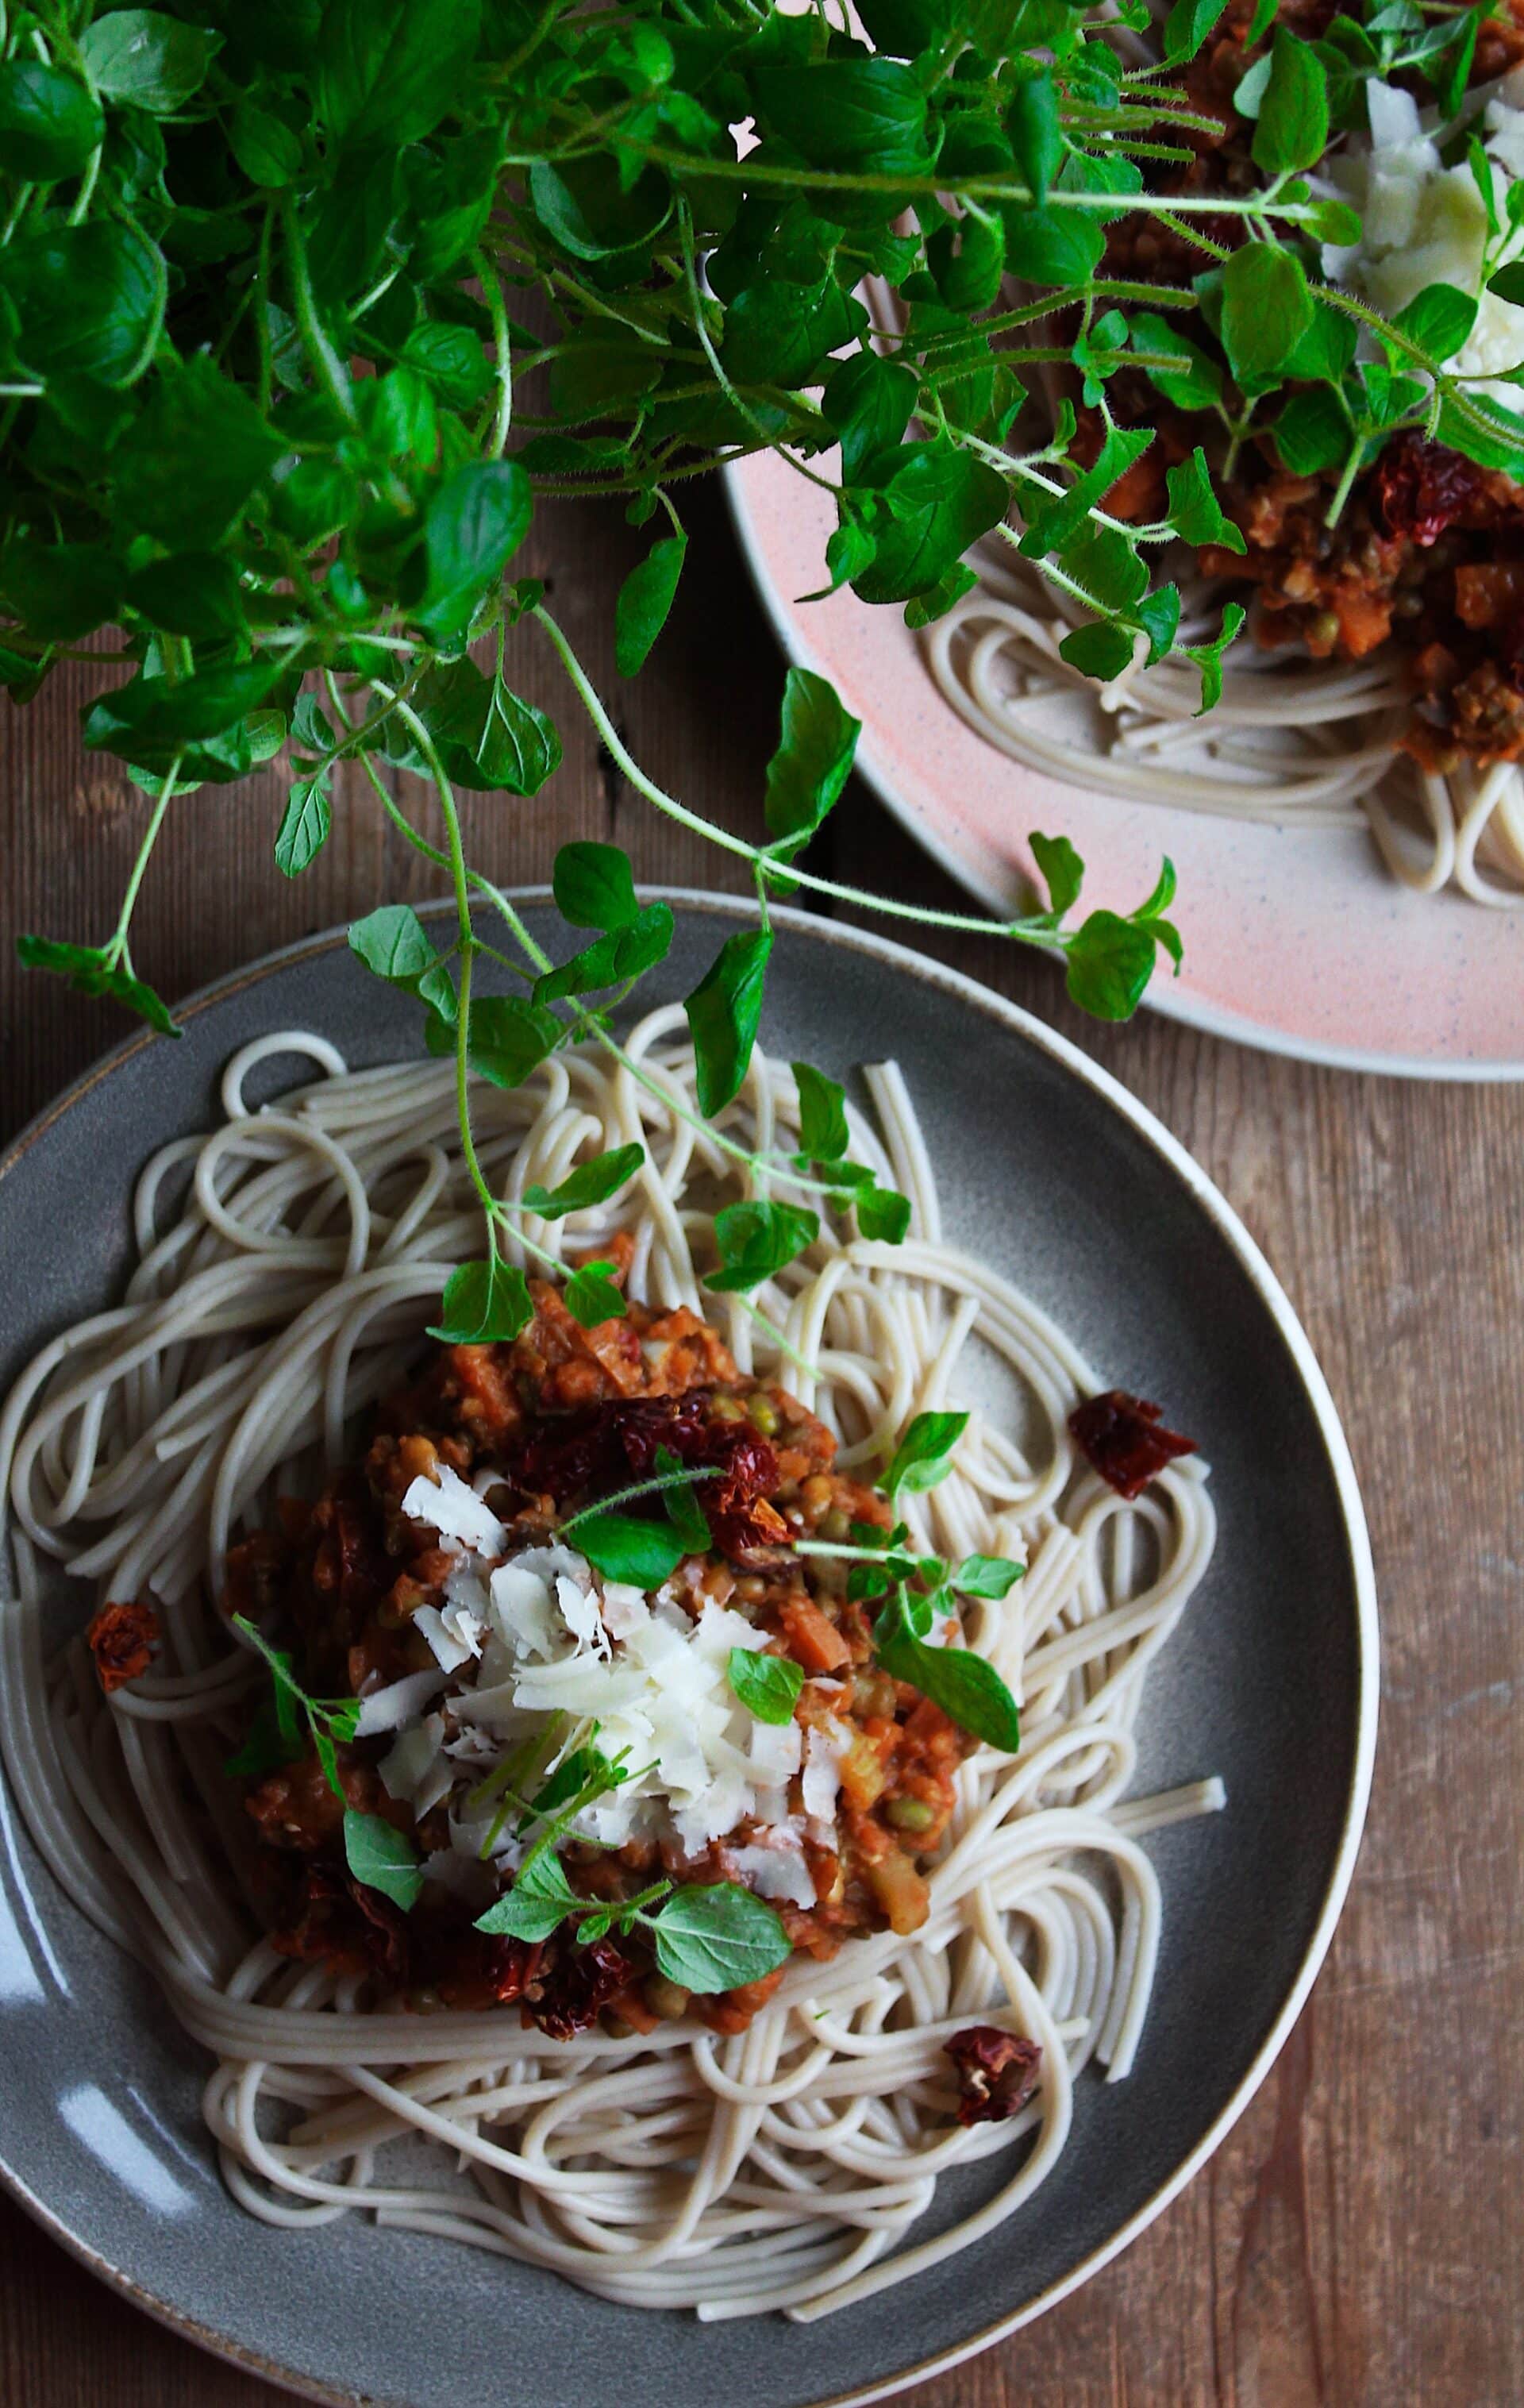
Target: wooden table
(1357,2240)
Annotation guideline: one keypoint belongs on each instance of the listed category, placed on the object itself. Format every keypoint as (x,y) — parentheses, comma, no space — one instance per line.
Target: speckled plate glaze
(1049,1169)
(1298,942)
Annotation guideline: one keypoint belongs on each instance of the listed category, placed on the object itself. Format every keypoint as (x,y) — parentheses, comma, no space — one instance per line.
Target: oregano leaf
(645,598)
(483,1303)
(724,1013)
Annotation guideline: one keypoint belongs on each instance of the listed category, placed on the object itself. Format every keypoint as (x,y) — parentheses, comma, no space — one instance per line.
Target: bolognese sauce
(537,1430)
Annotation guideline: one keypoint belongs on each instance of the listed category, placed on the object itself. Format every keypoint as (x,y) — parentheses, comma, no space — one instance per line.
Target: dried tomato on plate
(1124,1440)
(121,1638)
(997,2072)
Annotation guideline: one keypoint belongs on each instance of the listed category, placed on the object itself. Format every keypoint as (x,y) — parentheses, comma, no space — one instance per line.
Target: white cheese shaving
(776,1751)
(523,1612)
(494,1710)
(466,1587)
(417,1767)
(464,1612)
(581,1686)
(774,1872)
(456,1512)
(473,1744)
(450,1651)
(718,1631)
(579,1613)
(397,1705)
(823,1753)
(472,1828)
(625,1610)
(1425,224)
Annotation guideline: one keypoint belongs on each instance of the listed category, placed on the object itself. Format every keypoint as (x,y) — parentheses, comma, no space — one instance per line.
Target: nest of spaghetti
(469,1663)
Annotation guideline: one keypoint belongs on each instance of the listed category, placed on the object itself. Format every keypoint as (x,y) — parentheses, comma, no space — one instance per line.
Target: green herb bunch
(304,305)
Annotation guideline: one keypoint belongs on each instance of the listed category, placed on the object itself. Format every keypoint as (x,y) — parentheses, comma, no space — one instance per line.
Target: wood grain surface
(1359,2240)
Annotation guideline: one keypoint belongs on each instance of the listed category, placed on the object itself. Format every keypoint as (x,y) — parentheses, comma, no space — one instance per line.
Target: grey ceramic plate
(1052,1171)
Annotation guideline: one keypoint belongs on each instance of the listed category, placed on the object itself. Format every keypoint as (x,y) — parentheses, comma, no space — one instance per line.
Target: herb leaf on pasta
(966,1685)
(382,1858)
(718,1937)
(768,1686)
(924,1455)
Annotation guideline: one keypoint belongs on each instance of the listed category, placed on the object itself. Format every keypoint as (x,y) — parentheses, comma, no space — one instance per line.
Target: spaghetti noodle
(276,1299)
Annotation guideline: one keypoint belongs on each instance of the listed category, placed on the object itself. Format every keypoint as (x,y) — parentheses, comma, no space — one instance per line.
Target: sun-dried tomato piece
(624,1439)
(341,1924)
(476,1972)
(511,1965)
(579,1986)
(740,1516)
(121,1638)
(1419,489)
(602,1448)
(997,2072)
(736,1504)
(1123,1439)
(643,1429)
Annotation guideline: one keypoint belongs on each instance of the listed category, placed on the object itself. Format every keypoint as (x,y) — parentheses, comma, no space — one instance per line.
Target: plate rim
(1232,1229)
(1162,997)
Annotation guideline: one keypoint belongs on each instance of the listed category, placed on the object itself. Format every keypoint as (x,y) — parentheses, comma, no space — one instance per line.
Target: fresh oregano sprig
(327,1719)
(705,1937)
(375,1853)
(966,1685)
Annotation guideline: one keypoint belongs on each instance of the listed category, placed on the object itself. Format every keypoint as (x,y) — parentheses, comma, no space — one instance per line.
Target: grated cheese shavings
(1425,224)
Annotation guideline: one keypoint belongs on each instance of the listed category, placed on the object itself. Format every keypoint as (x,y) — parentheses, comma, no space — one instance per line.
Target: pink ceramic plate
(1301,942)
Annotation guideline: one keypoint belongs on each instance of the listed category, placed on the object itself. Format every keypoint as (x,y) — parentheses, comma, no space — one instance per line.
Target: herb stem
(686,1478)
(18,211)
(491,284)
(136,875)
(844,1554)
(262,310)
(1346,478)
(87,187)
(463,1108)
(977,188)
(329,369)
(921,913)
(695,297)
(467,942)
